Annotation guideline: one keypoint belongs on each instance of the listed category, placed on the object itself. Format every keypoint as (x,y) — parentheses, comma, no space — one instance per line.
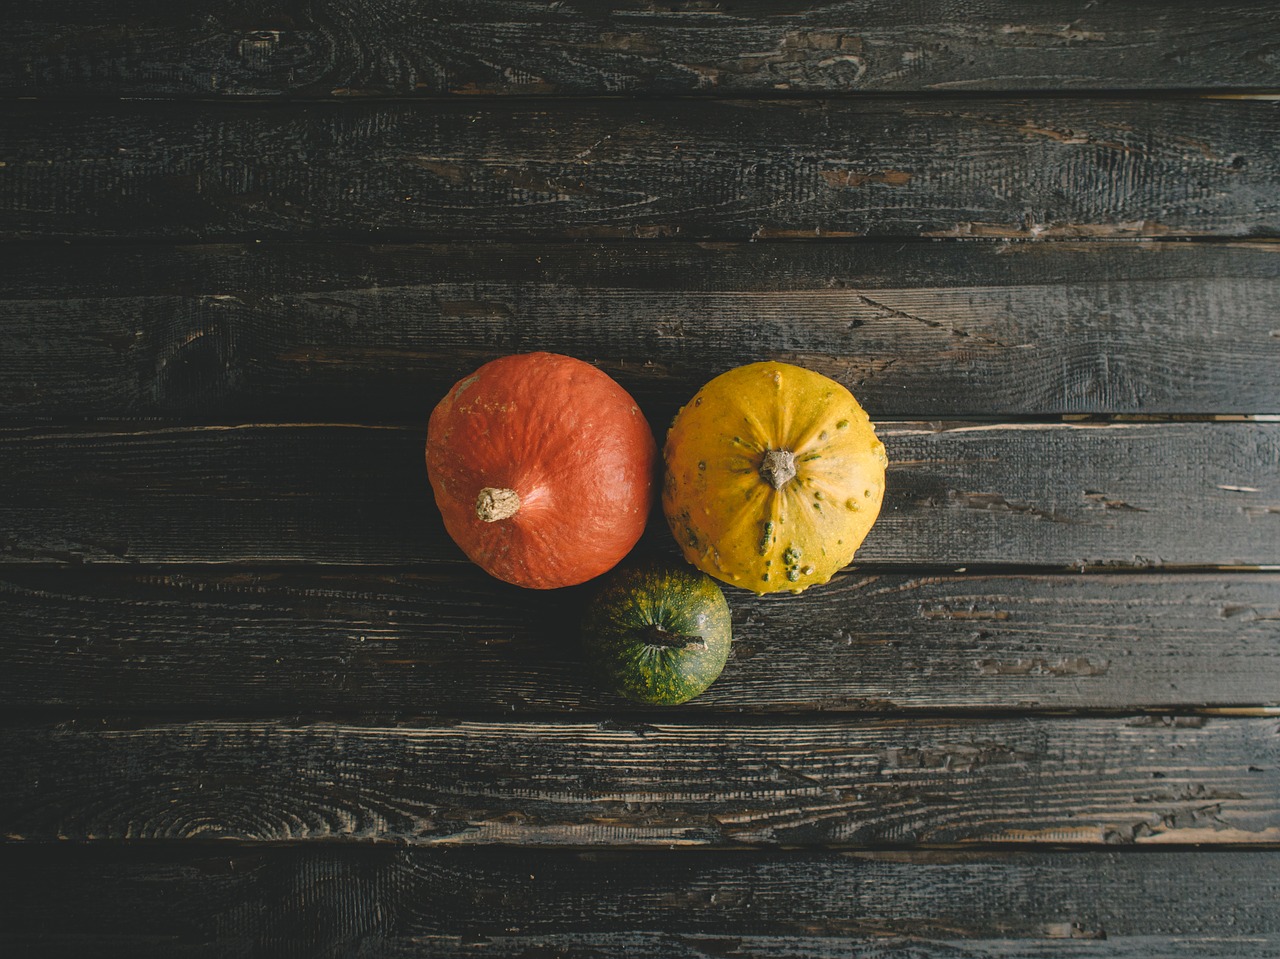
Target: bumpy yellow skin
(726,514)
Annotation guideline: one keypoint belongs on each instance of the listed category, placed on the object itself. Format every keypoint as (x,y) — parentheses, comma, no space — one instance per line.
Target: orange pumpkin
(774,476)
(543,469)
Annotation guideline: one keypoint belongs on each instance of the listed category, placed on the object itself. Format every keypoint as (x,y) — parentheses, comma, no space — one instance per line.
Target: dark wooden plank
(392,902)
(269,332)
(1076,943)
(1041,494)
(1037,168)
(1066,941)
(1027,779)
(451,640)
(395,47)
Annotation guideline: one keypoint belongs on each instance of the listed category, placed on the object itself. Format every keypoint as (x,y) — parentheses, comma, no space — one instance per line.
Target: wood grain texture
(408,752)
(1030,779)
(696,169)
(452,640)
(400,903)
(284,332)
(399,48)
(1040,494)
(1072,942)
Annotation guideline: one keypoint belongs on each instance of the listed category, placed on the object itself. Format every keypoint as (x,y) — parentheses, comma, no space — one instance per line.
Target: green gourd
(657,633)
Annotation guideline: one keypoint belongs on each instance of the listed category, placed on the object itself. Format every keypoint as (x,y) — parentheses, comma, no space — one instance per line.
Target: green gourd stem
(657,636)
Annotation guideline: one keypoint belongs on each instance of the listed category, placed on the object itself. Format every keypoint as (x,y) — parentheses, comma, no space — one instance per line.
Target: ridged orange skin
(569,441)
(735,525)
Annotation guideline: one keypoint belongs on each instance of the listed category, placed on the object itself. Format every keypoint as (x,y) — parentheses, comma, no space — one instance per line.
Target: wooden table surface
(256,703)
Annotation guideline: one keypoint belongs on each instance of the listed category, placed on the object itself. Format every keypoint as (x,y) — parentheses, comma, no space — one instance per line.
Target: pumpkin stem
(657,636)
(778,468)
(495,504)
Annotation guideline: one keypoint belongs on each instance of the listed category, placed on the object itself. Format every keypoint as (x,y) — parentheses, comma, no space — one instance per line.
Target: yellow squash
(774,476)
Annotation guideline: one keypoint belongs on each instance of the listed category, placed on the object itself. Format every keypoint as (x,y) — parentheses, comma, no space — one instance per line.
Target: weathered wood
(449,640)
(1067,941)
(267,332)
(1041,494)
(393,902)
(298,336)
(400,48)
(1031,779)
(683,168)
